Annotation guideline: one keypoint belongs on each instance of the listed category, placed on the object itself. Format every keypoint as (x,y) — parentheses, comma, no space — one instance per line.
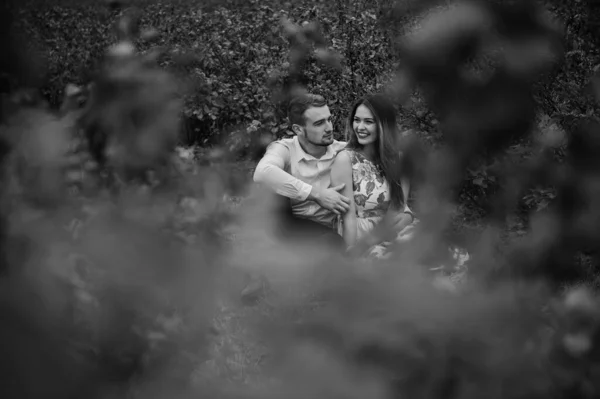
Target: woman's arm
(400,218)
(405,184)
(341,173)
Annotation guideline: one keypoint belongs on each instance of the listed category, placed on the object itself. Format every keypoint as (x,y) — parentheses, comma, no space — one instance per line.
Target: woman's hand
(400,220)
(358,249)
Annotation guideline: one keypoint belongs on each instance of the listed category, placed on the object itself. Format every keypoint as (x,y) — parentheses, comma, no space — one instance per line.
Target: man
(298,170)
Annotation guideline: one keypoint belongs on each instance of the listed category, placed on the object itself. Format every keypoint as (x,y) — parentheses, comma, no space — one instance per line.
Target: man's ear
(297,129)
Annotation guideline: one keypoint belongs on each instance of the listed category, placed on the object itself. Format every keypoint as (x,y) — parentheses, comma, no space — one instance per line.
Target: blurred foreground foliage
(116,243)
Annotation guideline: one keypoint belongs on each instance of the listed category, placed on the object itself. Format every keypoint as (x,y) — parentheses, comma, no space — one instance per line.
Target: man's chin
(323,142)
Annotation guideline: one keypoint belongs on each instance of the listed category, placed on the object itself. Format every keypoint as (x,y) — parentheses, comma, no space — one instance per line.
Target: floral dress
(372,200)
(371,197)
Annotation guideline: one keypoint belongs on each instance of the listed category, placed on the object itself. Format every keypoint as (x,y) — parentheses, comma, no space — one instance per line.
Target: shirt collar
(330,153)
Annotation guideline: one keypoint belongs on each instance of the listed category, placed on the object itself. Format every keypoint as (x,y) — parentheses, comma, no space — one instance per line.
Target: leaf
(370,187)
(360,199)
(381,198)
(218,102)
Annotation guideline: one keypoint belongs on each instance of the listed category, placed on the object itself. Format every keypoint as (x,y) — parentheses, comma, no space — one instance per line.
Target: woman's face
(364,126)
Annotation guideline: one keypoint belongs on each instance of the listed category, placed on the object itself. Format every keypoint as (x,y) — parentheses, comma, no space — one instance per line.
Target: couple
(340,192)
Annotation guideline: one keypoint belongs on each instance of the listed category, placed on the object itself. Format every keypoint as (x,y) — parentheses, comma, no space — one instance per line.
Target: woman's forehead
(363,111)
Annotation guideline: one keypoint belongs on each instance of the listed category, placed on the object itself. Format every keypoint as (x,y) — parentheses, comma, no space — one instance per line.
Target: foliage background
(234,53)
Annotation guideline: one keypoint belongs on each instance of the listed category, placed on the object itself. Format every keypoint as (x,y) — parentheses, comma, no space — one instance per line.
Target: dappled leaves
(236,60)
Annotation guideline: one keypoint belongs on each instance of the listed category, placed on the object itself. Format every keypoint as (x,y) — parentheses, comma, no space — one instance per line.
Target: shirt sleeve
(270,171)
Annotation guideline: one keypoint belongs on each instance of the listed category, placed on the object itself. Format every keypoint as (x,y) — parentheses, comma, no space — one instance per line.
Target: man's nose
(329,126)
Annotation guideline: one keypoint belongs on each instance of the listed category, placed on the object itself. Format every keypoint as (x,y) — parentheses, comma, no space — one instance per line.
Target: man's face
(318,129)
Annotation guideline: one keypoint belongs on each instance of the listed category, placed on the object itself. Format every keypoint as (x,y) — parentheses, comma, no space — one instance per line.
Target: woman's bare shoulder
(341,168)
(342,163)
(342,157)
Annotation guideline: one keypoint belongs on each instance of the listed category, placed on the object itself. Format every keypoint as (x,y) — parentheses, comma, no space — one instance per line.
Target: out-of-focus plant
(109,291)
(97,284)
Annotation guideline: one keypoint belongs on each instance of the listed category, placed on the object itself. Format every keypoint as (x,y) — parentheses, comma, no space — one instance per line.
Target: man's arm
(270,171)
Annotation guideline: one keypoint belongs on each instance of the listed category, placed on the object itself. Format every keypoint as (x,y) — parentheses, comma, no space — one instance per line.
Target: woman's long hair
(387,156)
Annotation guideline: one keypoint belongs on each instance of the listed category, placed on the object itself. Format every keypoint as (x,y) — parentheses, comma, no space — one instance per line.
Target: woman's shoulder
(346,155)
(342,164)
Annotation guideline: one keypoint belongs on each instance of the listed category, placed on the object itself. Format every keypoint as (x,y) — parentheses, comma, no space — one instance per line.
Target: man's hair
(299,104)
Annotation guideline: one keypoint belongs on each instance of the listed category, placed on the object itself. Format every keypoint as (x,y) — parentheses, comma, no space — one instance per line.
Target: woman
(369,167)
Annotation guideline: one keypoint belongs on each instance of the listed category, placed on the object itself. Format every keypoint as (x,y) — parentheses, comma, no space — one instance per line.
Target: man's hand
(331,199)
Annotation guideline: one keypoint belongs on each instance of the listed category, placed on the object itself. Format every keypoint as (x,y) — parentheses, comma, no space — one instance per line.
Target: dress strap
(360,157)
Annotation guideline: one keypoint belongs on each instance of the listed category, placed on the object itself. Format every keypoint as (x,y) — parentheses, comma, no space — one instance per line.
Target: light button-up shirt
(289,171)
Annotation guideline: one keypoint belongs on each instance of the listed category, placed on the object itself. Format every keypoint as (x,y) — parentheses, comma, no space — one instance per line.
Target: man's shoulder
(282,143)
(286,142)
(289,144)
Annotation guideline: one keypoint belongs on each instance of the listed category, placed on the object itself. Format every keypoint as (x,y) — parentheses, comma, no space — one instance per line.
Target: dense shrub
(234,54)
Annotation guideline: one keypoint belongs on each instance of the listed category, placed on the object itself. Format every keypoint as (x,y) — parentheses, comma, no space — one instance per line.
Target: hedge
(234,53)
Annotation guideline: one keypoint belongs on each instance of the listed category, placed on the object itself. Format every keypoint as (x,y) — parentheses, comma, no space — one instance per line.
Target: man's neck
(316,151)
